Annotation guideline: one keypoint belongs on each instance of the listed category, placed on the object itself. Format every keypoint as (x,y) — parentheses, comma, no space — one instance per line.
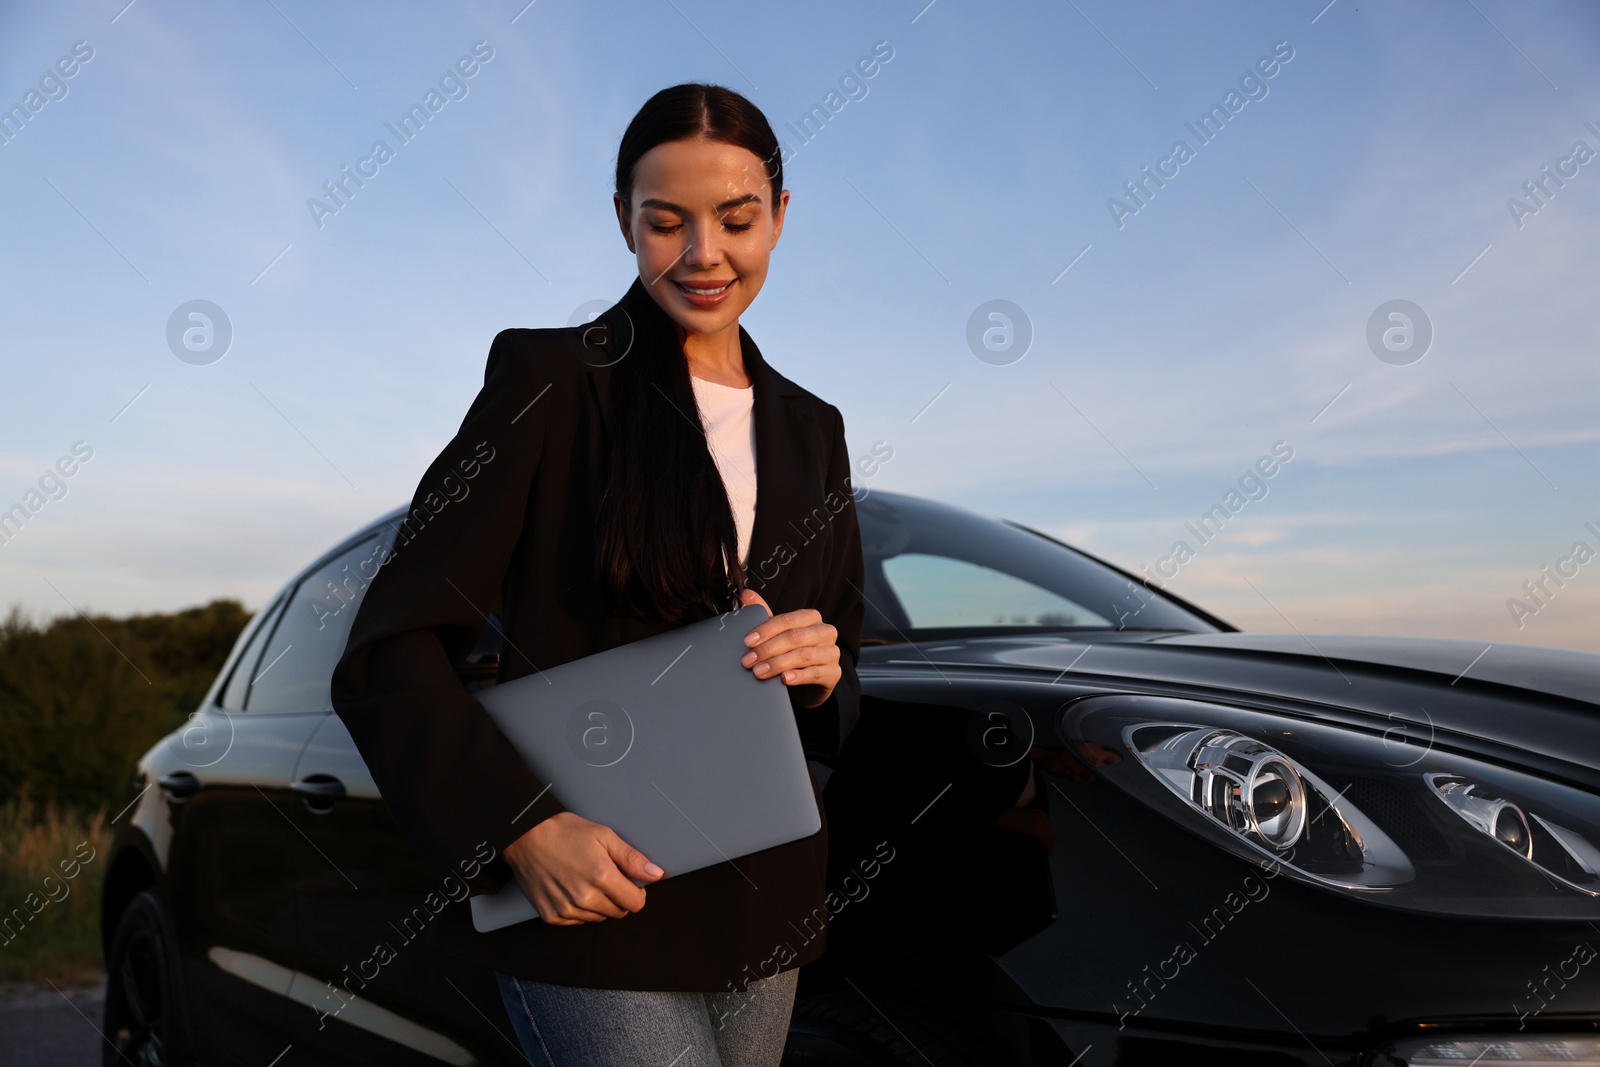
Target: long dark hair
(667,544)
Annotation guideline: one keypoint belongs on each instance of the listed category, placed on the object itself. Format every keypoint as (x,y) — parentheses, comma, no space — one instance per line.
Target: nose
(705,249)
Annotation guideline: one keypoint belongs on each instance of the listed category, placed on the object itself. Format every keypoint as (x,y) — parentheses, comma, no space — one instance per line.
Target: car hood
(1557,671)
(1539,701)
(1181,657)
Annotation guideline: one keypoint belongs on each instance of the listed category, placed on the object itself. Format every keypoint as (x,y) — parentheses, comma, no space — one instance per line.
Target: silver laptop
(668,740)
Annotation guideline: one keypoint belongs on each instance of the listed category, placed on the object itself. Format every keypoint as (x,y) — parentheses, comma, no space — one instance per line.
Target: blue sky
(1188,338)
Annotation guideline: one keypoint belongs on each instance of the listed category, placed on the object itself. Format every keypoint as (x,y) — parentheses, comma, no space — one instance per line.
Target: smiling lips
(705,294)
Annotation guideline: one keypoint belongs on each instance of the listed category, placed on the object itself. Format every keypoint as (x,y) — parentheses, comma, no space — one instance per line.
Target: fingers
(826,677)
(573,870)
(600,889)
(803,656)
(567,913)
(793,672)
(803,619)
(797,646)
(600,894)
(624,863)
(767,641)
(553,902)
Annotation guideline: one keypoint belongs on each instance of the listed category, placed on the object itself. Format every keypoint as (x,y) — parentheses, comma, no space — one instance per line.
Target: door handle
(319,791)
(180,785)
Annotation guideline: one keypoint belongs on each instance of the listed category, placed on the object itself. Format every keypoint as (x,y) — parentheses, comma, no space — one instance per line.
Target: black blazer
(504,519)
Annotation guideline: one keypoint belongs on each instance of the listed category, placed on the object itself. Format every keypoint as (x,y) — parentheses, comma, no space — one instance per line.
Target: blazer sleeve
(451,780)
(842,603)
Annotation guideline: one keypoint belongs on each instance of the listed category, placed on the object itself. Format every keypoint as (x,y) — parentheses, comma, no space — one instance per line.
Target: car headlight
(1495,816)
(1563,854)
(1270,802)
(1244,783)
(1343,809)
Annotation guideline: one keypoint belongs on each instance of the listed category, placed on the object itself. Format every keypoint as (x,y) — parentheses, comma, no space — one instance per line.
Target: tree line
(81,698)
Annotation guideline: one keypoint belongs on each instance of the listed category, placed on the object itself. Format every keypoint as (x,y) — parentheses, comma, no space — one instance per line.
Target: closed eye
(732,227)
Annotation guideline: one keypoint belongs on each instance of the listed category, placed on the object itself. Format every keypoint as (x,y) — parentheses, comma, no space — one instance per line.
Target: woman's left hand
(799,645)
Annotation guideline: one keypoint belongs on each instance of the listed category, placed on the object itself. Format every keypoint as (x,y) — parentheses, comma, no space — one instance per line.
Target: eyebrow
(726,205)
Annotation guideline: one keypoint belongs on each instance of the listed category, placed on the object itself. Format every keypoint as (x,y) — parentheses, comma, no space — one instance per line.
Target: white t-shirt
(727,414)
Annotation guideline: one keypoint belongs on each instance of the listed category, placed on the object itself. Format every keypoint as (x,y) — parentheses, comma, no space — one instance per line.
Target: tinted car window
(941,591)
(296,667)
(244,666)
(931,567)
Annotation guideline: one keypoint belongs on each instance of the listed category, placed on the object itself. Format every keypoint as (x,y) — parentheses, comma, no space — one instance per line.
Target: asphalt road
(45,1027)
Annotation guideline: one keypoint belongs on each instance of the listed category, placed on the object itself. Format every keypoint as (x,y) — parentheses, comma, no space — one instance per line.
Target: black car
(1080,822)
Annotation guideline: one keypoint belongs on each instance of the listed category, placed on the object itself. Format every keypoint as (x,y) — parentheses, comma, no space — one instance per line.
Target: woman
(584,500)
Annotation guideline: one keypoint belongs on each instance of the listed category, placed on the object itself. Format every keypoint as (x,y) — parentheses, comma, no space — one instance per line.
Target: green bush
(82,698)
(80,701)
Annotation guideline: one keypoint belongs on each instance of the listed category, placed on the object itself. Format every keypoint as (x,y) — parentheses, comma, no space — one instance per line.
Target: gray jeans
(567,1026)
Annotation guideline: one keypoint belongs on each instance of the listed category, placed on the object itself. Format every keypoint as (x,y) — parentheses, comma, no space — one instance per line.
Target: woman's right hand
(574,871)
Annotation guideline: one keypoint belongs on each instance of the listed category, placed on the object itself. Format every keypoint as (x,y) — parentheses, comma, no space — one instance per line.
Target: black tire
(145,1023)
(841,1029)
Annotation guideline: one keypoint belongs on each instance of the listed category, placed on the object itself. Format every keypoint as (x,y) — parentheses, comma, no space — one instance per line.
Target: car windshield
(935,571)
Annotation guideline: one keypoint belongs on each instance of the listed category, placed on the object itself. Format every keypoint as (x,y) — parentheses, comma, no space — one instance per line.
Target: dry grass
(51,867)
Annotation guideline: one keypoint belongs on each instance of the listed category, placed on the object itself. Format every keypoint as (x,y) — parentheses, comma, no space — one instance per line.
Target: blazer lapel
(603,343)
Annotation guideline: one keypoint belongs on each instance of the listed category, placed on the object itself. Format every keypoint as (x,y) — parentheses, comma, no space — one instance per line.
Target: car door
(361,891)
(226,776)
(364,920)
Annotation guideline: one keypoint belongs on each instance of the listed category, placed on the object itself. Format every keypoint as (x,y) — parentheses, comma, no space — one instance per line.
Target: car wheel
(144,1021)
(841,1029)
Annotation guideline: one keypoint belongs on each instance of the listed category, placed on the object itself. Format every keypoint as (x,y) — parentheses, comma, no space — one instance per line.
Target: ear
(782,208)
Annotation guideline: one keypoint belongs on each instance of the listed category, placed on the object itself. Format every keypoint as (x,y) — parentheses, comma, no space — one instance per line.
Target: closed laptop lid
(670,741)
